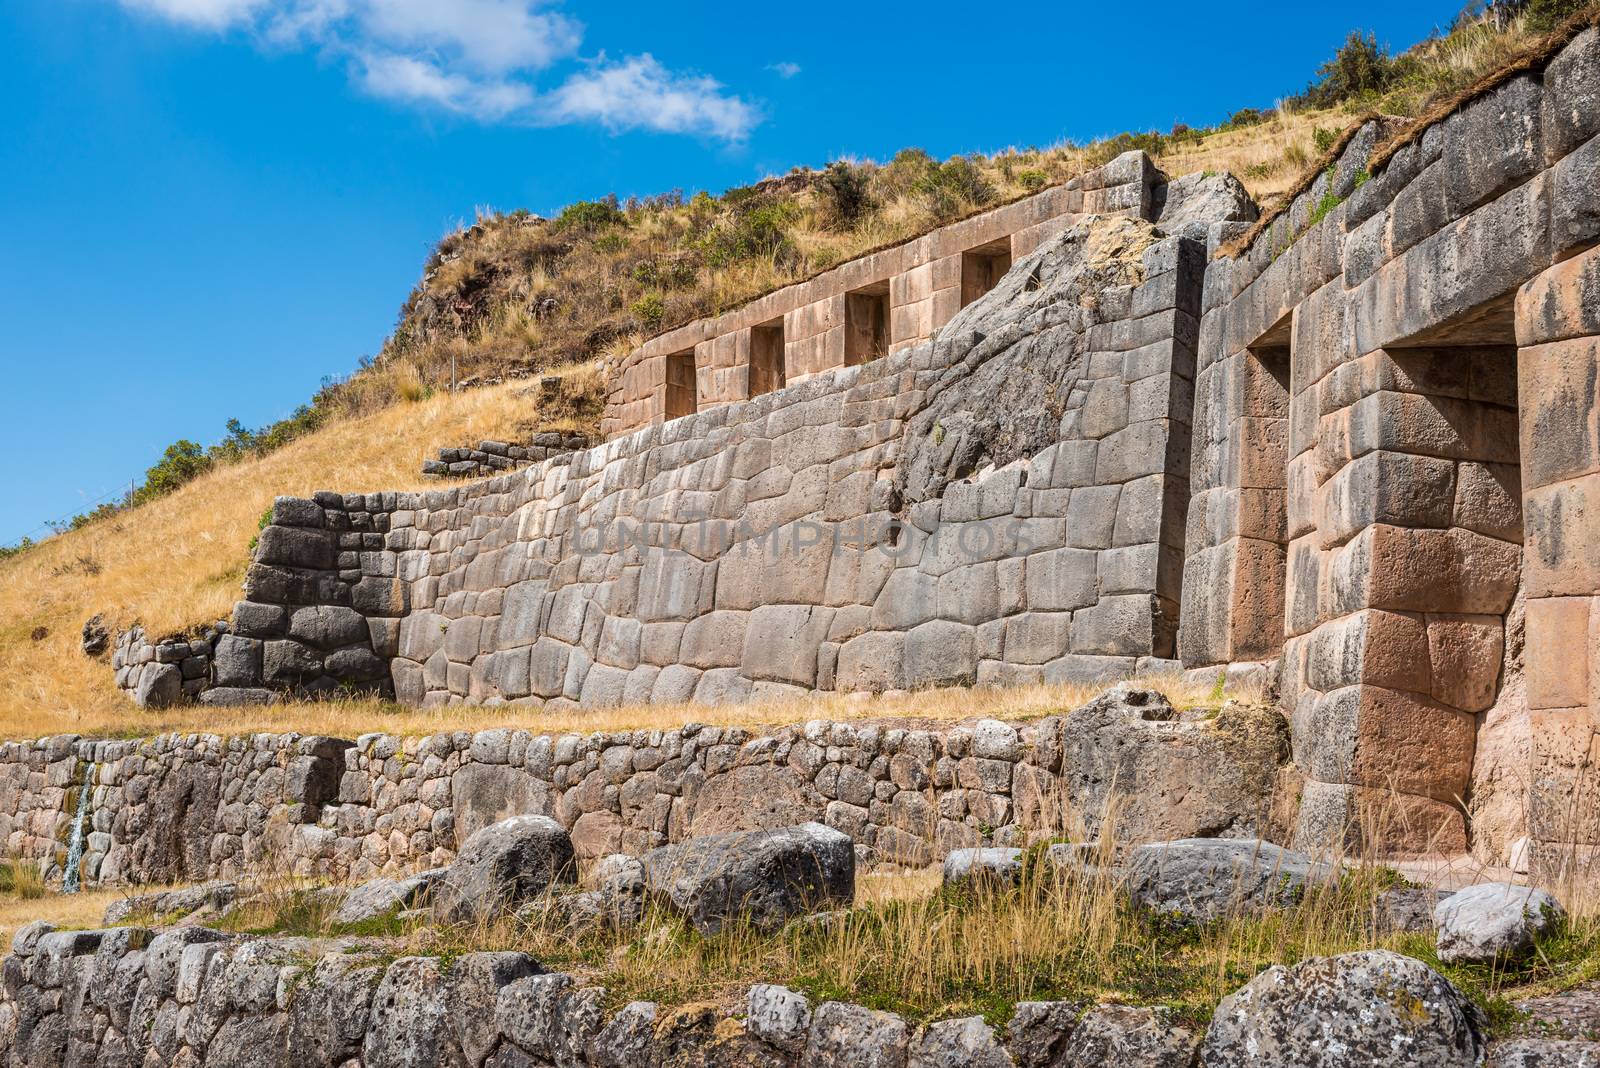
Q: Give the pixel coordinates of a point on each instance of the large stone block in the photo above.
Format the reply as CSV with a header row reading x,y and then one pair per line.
x,y
1563,538
295,547
940,653
782,642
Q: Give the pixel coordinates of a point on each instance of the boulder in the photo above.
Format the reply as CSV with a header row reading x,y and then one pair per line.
x,y
1369,1008
95,638
1179,776
380,897
502,866
764,877
1202,879
997,866
1493,921
1127,1037
168,905
851,1036
159,686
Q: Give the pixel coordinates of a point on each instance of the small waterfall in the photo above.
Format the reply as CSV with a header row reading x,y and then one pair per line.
x,y
72,881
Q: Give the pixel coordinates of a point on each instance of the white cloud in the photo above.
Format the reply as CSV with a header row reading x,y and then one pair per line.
x,y
416,81
785,69
639,93
481,58
208,14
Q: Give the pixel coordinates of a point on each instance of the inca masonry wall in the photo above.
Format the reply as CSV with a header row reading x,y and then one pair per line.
x,y
1364,448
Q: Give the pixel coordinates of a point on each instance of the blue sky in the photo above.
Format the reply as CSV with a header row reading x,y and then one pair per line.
x,y
209,205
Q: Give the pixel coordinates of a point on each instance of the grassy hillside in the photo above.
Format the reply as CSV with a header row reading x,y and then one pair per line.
x,y
513,295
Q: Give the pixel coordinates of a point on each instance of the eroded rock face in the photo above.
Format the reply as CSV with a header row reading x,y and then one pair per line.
x,y
1022,349
1493,920
502,866
765,877
1171,776
1371,1008
382,896
1199,879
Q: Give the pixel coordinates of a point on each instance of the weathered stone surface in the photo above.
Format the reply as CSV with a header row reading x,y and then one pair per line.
x,y
1492,921
849,1036
763,877
964,1043
1199,879
778,1016
1135,1037
502,866
1375,1007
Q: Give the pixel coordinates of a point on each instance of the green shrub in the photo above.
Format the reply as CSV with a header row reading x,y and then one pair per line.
x,y
1032,180
1360,69
951,187
591,215
758,229
1324,137
1546,15
649,309
846,193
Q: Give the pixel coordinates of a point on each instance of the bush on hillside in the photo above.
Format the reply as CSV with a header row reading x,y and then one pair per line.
x,y
591,215
1359,69
846,193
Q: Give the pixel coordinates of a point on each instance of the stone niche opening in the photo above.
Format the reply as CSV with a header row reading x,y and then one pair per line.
x,y
866,323
1262,474
767,371
682,394
1452,421
982,268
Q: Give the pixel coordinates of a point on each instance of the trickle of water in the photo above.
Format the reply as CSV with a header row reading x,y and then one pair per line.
x,y
71,883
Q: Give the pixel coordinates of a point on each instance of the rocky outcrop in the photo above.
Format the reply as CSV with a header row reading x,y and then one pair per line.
x,y
1375,1007
1164,774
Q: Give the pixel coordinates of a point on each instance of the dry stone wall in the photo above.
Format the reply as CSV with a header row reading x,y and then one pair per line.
x,y
179,808
193,996
489,458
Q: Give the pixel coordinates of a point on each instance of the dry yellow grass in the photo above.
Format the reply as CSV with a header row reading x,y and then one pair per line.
x,y
63,910
110,714
1268,158
179,561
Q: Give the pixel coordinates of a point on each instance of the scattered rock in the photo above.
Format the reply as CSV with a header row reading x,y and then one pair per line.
x,y
850,1036
1039,1030
963,1043
381,897
1203,879
1408,908
777,1016
1493,920
1369,1008
997,866
170,905
502,866
1545,1053
766,877
96,638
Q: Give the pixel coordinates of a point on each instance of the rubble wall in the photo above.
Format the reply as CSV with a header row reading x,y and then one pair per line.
x,y
193,996
184,808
